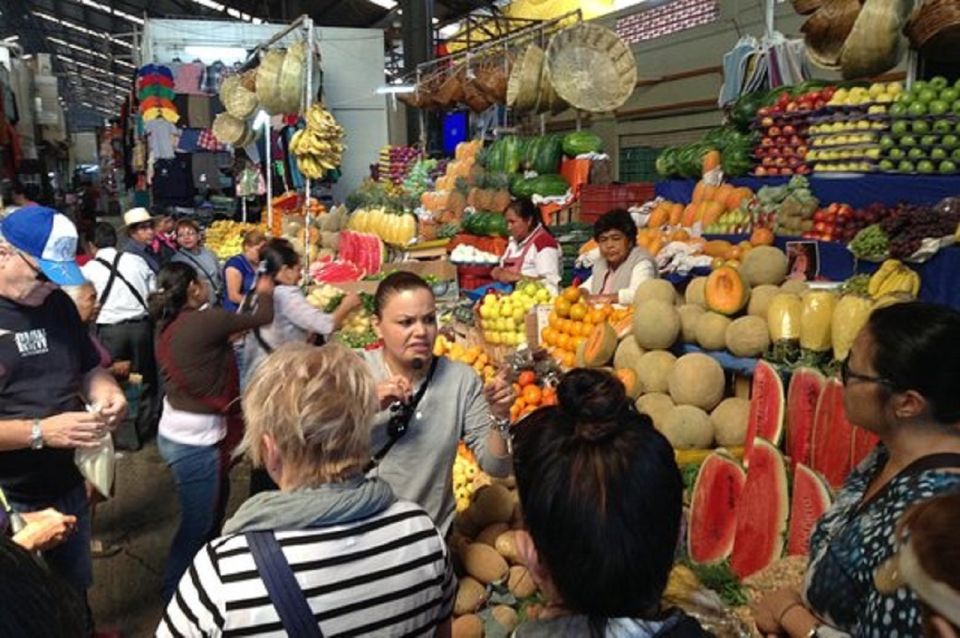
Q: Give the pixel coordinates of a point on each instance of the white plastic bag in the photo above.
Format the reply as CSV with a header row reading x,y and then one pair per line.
x,y
98,465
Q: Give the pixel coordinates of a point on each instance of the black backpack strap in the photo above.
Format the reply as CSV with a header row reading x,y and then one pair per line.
x,y
263,342
282,587
115,274
400,422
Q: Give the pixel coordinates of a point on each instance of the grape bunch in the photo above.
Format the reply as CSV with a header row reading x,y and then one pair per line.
x,y
911,224
870,243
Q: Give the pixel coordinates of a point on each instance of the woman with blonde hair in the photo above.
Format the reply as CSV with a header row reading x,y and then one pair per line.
x,y
365,562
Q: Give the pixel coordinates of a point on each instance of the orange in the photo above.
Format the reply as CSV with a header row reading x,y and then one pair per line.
x,y
514,413
527,377
519,404
606,309
579,340
562,306
569,359
553,320
563,342
517,389
549,396
548,336
578,311
571,294
532,394
586,328
566,326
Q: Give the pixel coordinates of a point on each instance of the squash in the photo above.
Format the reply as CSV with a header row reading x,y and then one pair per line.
x,y
656,324
737,197
697,379
660,216
716,248
470,595
600,346
467,626
764,265
698,192
816,319
710,212
748,337
676,214
725,291
712,331
849,317
689,215
483,563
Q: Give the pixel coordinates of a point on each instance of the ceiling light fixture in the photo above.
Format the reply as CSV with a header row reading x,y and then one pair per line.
x,y
84,65
110,10
90,52
77,27
386,4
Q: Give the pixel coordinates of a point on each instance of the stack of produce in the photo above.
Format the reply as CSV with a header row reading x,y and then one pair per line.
x,y
734,148
572,321
396,162
784,127
503,318
532,393
846,138
789,209
725,253
225,238
357,328
515,156
831,223
467,477
925,132
899,231
319,146
474,356
393,227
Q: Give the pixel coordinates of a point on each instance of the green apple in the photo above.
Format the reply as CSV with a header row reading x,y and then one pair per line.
x,y
927,95
950,141
906,167
938,107
917,109
916,153
925,166
942,126
886,142
950,95
920,127
929,140
947,166
897,153
955,108
899,128
955,155
908,140
938,83
887,165
898,110
938,153
918,86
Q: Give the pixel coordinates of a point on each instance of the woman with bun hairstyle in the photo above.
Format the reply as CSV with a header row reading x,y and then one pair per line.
x,y
439,401
196,358
294,318
532,253
902,383
601,498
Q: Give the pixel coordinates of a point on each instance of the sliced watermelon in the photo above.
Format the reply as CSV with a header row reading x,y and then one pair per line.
x,y
806,385
762,513
713,508
335,272
363,249
811,499
766,408
832,436
863,443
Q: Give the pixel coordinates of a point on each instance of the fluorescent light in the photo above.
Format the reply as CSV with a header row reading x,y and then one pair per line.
x,y
386,4
450,30
109,10
395,88
81,29
96,69
12,38
90,52
209,54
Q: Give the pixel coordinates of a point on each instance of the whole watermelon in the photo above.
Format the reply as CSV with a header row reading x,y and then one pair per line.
x,y
581,142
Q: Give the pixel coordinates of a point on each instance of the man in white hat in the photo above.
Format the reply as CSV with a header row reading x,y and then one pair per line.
x,y
54,397
124,281
139,224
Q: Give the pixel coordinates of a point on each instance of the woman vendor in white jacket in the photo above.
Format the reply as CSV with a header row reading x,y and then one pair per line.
x,y
622,265
532,253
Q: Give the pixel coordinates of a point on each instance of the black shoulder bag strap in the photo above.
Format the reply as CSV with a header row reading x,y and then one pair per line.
x,y
196,262
288,599
399,421
114,275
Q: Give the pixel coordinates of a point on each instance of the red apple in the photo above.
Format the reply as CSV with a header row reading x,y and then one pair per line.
x,y
786,171
766,142
789,130
760,171
763,111
766,122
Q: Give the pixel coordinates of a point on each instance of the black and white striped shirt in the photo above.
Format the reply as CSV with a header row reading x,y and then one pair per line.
x,y
387,575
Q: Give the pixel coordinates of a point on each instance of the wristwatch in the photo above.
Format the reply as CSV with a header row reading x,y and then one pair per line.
x,y
36,436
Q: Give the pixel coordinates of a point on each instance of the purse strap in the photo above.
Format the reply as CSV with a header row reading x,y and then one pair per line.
x,y
282,587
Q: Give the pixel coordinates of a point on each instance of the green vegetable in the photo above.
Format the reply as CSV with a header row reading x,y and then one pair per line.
x,y
856,285
581,142
870,243
721,579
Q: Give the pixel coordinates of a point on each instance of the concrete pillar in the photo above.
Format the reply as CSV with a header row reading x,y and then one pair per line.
x,y
604,125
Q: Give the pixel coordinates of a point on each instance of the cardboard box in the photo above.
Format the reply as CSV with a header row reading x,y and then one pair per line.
x,y
444,271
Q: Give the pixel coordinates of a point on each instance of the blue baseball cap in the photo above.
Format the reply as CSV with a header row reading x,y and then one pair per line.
x,y
47,236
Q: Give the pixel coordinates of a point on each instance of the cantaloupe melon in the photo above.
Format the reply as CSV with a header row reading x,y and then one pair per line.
x,y
656,324
654,289
748,336
630,380
470,595
654,369
689,315
628,354
520,582
656,405
696,379
694,292
687,427
729,421
760,298
506,616
468,626
764,265
484,563
712,331
795,286
726,291
600,346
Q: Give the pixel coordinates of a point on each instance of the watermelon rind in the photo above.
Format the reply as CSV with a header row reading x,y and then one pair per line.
x,y
832,436
767,403
762,512
803,393
810,500
713,508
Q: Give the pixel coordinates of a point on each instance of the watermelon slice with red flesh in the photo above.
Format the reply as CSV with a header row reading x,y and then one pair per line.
x,y
811,499
832,436
766,408
806,386
863,443
713,508
363,249
762,512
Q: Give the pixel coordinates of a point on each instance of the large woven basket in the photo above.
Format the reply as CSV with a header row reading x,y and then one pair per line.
x,y
237,100
591,68
229,129
934,29
268,81
474,97
806,7
292,77
549,101
451,91
523,86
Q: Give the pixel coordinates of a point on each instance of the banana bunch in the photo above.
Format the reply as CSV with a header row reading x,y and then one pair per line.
x,y
893,277
319,147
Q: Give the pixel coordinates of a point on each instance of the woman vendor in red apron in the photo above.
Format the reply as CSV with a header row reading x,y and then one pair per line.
x,y
532,253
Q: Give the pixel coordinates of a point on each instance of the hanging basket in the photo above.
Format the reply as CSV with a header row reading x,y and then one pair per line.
x,y
268,81
474,97
934,29
451,91
292,77
229,129
492,77
523,86
237,99
806,7
591,68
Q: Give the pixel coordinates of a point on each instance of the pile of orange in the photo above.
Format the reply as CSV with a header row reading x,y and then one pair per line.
x,y
571,322
530,395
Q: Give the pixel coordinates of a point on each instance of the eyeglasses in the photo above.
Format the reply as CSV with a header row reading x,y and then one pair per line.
x,y
846,374
39,273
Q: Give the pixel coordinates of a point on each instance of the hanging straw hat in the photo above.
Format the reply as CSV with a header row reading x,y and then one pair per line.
x,y
825,32
229,129
591,68
292,77
237,100
268,81
451,91
548,101
248,79
523,87
934,29
492,76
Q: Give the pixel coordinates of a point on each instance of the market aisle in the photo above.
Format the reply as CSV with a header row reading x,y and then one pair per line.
x,y
141,519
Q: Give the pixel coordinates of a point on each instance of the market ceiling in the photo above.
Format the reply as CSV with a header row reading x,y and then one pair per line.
x,y
91,41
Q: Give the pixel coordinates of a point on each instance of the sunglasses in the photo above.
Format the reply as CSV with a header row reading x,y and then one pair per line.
x,y
846,374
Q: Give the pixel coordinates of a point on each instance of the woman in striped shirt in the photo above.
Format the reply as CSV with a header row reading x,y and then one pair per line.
x,y
365,562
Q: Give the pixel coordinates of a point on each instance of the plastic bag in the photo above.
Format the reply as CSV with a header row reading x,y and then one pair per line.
x,y
98,464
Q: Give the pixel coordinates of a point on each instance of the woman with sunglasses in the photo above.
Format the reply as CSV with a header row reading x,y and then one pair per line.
x,y
902,383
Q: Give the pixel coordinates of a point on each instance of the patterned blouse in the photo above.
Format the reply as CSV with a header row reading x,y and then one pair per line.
x,y
855,537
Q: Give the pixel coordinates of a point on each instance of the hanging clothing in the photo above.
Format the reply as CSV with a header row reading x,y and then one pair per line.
x,y
212,76
198,111
537,257
187,78
162,138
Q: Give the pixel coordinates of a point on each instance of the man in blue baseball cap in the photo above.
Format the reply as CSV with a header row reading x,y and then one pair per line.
x,y
54,397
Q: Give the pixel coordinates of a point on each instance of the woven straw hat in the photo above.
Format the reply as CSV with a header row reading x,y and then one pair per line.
x,y
591,68
268,81
548,101
292,77
236,99
523,87
229,129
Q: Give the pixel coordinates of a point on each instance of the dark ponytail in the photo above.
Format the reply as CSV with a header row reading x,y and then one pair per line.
x,y
173,283
526,210
277,254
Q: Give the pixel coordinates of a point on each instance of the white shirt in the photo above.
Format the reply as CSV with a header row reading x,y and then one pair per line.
x,y
121,305
162,137
541,263
190,428
641,272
